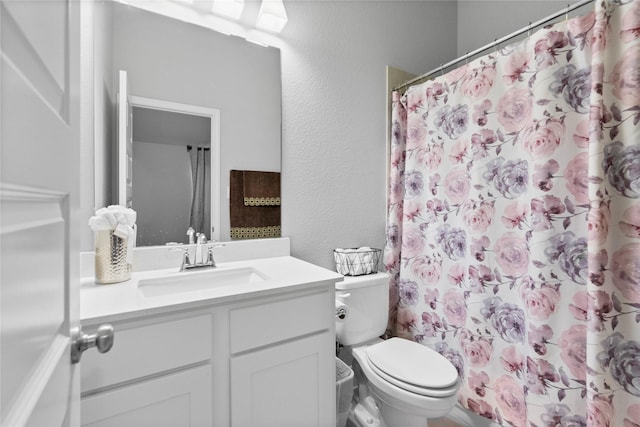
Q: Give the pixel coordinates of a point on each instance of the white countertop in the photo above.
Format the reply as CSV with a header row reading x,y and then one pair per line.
x,y
118,301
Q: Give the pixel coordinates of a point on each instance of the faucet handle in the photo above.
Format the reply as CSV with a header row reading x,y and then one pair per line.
x,y
201,238
186,260
210,259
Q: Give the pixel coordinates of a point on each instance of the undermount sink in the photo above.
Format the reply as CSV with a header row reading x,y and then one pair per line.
x,y
199,280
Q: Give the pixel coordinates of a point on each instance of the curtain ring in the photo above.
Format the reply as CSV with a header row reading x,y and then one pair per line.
x,y
495,46
566,15
441,70
529,31
466,58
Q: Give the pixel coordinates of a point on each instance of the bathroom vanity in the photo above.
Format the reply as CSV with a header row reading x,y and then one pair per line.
x,y
258,351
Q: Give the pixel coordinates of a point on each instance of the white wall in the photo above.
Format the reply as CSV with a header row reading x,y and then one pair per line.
x,y
482,22
334,55
97,153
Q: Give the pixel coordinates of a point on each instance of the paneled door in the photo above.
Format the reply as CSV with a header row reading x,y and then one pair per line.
x,y
39,227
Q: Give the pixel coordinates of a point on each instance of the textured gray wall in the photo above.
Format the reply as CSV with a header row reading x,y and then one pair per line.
x,y
334,55
481,22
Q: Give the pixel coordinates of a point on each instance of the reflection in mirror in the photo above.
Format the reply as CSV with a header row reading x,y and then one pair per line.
x,y
171,172
170,60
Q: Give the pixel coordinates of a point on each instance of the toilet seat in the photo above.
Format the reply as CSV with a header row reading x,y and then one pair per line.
x,y
388,395
413,367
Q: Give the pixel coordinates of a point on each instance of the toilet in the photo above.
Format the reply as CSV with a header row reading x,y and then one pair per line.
x,y
398,383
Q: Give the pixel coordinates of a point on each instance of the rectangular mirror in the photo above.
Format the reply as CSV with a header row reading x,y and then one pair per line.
x,y
182,63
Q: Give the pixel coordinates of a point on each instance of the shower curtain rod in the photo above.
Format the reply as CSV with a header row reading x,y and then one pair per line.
x,y
496,42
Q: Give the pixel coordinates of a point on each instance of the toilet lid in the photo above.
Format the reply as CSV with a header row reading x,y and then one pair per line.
x,y
413,364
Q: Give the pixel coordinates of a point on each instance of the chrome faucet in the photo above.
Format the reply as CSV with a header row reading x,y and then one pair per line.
x,y
199,259
201,239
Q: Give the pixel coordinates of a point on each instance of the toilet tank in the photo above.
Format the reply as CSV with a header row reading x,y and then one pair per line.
x,y
366,299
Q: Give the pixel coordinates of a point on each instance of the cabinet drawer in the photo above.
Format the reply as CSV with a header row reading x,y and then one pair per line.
x,y
270,322
178,399
141,350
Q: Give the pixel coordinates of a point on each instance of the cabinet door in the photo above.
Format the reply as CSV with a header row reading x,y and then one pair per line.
x,y
182,399
290,384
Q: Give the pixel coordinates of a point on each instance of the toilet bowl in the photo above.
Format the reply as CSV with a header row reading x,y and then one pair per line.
x,y
399,383
408,381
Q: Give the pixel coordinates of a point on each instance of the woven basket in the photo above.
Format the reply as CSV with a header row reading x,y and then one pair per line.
x,y
356,262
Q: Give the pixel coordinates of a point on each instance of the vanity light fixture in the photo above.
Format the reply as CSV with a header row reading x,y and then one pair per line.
x,y
272,16
229,8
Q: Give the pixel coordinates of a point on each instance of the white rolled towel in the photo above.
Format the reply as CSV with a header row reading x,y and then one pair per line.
x,y
121,220
116,214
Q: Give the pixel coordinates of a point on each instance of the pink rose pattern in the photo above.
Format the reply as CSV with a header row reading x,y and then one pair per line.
x,y
513,235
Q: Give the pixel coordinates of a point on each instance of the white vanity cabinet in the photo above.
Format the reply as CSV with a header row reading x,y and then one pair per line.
x,y
158,373
252,361
283,363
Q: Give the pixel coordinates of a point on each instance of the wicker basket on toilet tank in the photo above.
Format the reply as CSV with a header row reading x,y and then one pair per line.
x,y
356,261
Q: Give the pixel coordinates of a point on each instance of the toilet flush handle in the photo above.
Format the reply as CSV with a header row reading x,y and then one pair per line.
x,y
342,312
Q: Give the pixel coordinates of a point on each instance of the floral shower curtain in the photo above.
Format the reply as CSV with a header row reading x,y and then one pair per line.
x,y
513,235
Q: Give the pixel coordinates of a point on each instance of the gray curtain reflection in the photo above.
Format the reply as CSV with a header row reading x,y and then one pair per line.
x,y
200,212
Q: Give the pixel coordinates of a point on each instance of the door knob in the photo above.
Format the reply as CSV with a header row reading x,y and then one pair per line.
x,y
101,340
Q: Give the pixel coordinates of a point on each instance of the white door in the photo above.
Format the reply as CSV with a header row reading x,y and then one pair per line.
x,y
125,142
39,226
